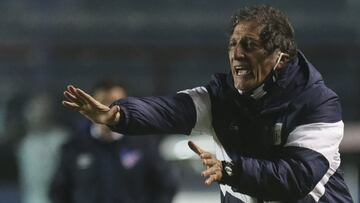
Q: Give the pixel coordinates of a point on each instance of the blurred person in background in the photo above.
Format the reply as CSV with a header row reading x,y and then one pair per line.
x,y
98,165
13,131
38,151
276,125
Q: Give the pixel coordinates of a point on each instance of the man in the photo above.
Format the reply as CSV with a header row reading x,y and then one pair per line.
x,y
38,151
98,165
277,127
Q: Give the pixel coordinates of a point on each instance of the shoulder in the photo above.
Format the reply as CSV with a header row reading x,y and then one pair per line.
x,y
220,85
218,81
320,104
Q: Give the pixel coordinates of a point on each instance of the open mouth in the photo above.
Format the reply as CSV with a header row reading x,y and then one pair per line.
x,y
242,70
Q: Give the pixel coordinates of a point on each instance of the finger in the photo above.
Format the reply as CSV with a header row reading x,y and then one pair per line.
x,y
87,98
209,162
210,171
206,155
114,109
209,180
71,89
79,94
195,148
212,179
71,105
113,112
70,97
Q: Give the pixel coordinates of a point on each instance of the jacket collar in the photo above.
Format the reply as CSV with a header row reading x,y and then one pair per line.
x,y
287,83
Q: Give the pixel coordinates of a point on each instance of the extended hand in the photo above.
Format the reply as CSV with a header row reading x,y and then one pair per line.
x,y
213,171
95,111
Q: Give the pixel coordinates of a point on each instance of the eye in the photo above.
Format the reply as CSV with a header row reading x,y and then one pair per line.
x,y
249,44
232,44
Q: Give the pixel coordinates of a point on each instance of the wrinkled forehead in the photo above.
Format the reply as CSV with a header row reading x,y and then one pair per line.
x,y
247,28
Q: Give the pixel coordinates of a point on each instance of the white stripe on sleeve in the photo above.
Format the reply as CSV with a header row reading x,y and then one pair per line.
x,y
202,102
323,138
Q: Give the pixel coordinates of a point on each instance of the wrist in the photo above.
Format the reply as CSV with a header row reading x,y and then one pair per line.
x,y
116,119
228,172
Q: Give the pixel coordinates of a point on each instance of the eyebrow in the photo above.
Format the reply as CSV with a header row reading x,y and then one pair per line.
x,y
252,38
247,38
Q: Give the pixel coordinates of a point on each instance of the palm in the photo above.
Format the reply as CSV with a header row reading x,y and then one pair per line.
x,y
95,112
88,106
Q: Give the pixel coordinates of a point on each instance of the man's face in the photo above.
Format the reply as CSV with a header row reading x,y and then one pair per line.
x,y
249,62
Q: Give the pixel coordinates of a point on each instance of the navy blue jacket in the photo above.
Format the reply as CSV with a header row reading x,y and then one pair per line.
x,y
284,144
129,170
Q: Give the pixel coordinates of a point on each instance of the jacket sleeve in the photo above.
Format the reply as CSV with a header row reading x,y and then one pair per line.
x,y
156,115
303,165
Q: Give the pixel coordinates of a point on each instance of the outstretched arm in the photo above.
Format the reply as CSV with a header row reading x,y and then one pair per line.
x,y
138,115
92,109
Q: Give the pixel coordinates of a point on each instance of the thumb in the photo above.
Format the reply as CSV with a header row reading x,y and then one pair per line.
x,y
114,113
195,148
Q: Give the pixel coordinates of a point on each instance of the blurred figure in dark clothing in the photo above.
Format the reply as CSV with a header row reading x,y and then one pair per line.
x,y
98,165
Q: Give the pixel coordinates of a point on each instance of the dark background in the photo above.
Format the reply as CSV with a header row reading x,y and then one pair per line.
x,y
154,47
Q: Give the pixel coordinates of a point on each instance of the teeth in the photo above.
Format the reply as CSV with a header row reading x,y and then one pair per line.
x,y
240,72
